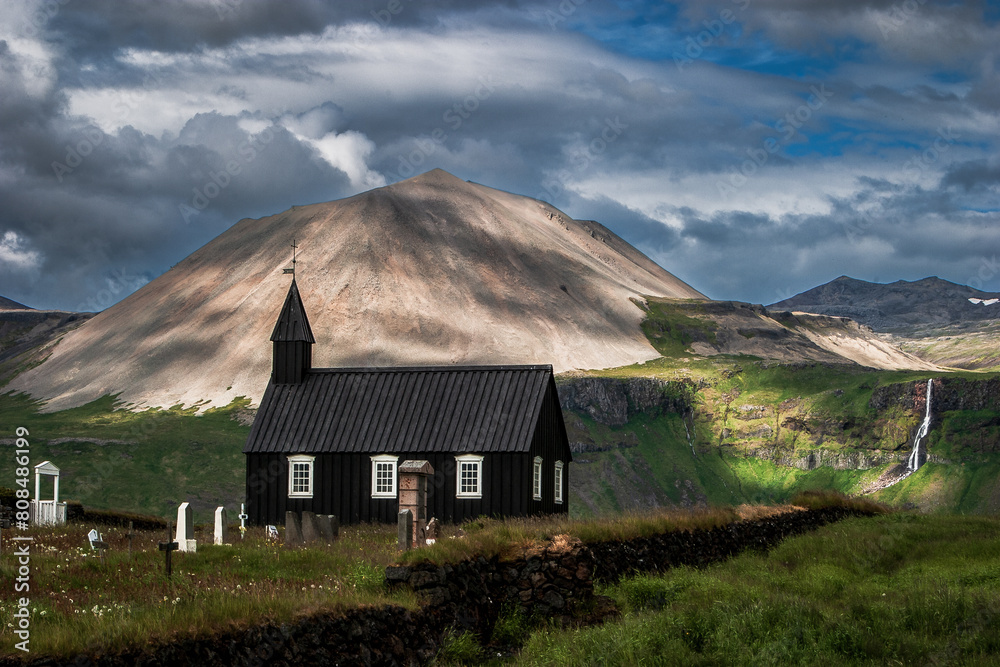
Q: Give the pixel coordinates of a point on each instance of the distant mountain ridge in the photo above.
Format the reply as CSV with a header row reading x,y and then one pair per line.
x,y
896,307
9,304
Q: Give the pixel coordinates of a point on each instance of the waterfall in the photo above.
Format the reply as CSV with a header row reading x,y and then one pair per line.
x,y
688,431
914,461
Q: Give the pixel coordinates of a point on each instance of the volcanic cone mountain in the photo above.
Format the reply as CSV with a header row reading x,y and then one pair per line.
x,y
432,270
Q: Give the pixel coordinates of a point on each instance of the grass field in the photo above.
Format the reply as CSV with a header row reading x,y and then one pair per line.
x,y
897,589
79,603
148,462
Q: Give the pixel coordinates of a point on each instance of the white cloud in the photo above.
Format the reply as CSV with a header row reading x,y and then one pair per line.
x,y
349,152
15,255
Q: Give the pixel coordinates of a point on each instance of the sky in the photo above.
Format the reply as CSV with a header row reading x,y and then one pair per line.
x,y
754,148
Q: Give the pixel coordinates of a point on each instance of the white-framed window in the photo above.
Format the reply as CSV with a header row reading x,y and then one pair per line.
x,y
536,478
558,482
384,476
300,476
469,476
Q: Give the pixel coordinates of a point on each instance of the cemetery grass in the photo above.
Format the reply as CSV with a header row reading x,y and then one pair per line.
x,y
79,604
901,588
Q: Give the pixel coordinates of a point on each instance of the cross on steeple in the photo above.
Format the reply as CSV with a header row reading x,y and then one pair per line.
x,y
292,270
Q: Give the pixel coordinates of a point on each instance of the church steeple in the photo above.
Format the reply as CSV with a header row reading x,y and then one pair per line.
x,y
292,340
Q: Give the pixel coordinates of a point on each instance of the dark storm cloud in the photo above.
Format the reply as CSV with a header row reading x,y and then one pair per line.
x,y
872,236
94,204
974,175
95,29
577,103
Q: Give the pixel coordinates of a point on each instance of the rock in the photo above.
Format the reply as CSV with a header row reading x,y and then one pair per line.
x,y
612,401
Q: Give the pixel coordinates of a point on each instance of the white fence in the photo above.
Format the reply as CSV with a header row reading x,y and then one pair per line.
x,y
44,512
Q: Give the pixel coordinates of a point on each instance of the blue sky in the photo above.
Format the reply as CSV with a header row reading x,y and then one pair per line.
x,y
755,148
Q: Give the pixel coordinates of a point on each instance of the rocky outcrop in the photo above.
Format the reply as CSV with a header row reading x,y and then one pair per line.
x,y
614,401
950,393
849,459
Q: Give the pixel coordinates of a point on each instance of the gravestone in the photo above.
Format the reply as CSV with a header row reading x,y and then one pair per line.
x,y
272,533
185,529
329,527
431,532
221,526
404,530
310,528
97,543
293,530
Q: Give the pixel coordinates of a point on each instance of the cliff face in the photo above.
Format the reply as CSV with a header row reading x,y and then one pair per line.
x,y
643,442
614,401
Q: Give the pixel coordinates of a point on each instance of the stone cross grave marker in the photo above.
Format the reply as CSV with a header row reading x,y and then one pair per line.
x,y
168,547
221,526
185,528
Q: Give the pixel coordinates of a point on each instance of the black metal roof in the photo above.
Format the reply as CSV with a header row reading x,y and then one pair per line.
x,y
456,409
292,324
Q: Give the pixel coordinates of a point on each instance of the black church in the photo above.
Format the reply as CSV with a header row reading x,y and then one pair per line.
x,y
330,440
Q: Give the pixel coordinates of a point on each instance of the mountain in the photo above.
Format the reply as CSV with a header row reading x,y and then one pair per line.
x,y
432,270
899,306
23,330
8,304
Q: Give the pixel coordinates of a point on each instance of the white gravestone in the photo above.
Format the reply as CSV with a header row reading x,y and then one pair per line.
x,y
221,526
93,536
185,529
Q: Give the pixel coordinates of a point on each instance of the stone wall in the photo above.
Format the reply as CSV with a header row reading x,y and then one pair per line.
x,y
556,582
